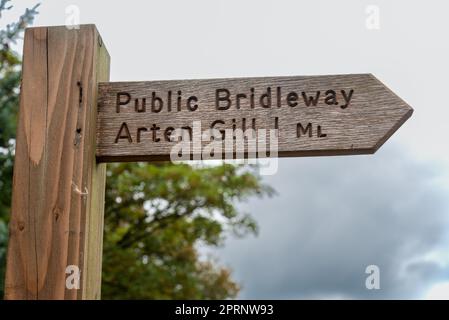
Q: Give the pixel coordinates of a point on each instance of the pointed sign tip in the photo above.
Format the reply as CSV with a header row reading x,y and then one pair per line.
x,y
390,132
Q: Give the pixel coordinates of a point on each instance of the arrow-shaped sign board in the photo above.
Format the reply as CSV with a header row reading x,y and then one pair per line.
x,y
213,118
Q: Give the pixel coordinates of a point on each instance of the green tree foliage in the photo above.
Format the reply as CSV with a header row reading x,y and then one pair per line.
x,y
157,216
9,102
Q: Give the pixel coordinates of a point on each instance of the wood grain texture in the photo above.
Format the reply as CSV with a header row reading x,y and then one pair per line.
x,y
58,191
349,123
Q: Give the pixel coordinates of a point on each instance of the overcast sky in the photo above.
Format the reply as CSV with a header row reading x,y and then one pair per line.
x,y
332,217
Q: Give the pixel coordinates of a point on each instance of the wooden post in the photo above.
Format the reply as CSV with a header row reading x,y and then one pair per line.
x,y
58,191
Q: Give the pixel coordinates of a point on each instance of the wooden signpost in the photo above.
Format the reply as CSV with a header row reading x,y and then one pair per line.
x,y
71,121
314,115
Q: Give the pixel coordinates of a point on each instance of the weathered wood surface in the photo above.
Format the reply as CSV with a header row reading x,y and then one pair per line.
x,y
354,114
58,191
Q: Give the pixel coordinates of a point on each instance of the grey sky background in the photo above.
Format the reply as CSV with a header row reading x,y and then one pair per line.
x,y
333,216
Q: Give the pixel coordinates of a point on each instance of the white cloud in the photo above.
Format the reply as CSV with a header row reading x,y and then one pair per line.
x,y
335,216
439,291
